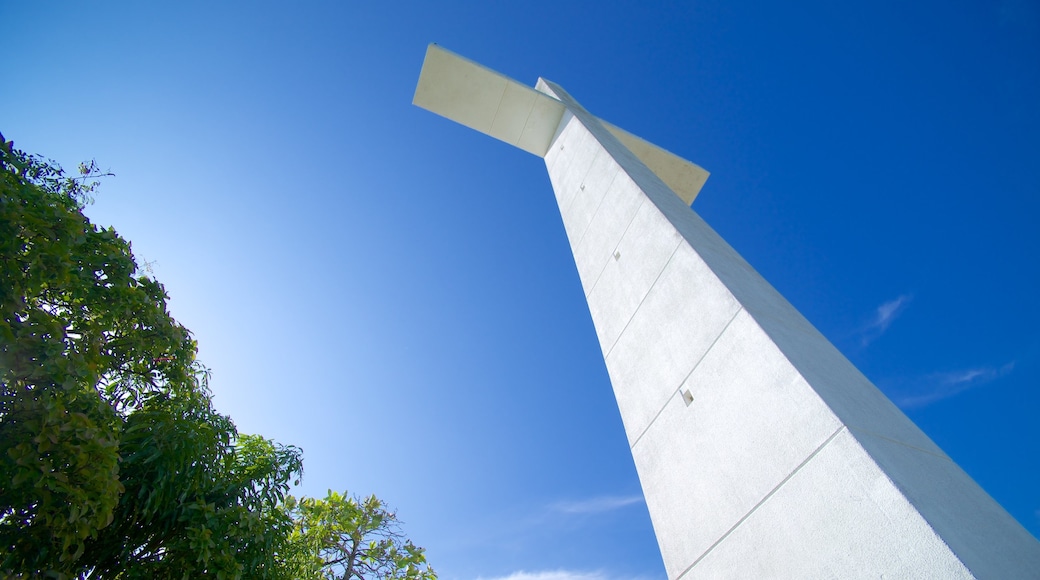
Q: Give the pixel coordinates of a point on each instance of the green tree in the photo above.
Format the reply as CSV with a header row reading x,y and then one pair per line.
x,y
344,537
113,462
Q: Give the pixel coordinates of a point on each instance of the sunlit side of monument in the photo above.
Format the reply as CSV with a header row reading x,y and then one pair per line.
x,y
762,451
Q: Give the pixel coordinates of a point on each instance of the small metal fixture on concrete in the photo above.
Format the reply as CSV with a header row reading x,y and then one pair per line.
x,y
791,464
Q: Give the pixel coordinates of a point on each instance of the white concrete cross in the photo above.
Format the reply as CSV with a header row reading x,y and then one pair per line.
x,y
762,451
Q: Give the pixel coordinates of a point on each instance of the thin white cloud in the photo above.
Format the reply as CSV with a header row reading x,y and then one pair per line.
x,y
564,575
552,575
939,386
883,317
596,505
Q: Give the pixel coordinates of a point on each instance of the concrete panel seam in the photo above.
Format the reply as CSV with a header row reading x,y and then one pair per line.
x,y
527,121
629,161
761,502
559,128
585,178
606,355
614,250
686,378
598,205
854,430
498,107
574,141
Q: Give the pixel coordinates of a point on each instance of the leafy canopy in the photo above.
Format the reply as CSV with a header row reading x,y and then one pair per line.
x,y
113,461
345,537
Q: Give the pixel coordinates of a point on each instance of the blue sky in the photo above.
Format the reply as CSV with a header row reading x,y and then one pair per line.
x,y
394,293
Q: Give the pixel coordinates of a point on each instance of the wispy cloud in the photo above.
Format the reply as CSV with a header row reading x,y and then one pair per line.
x,y
549,523
884,315
596,505
552,575
564,575
938,386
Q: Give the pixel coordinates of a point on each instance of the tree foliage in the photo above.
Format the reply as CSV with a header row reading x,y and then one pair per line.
x,y
113,462
344,537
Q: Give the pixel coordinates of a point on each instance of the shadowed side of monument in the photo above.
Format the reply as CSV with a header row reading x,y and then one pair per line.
x,y
762,451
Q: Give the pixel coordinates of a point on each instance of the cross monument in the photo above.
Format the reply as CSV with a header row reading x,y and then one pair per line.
x,y
761,450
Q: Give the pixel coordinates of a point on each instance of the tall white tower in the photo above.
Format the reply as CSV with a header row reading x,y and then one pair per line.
x,y
762,451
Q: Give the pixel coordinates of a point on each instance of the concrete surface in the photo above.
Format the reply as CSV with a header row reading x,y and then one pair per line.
x,y
762,451
473,95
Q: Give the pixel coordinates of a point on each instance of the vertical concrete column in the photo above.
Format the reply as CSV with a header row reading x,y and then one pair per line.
x,y
761,450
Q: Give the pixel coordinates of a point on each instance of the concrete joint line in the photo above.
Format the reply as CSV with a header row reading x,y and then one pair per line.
x,y
599,205
585,177
711,346
498,107
762,501
682,382
614,251
641,300
527,121
898,442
